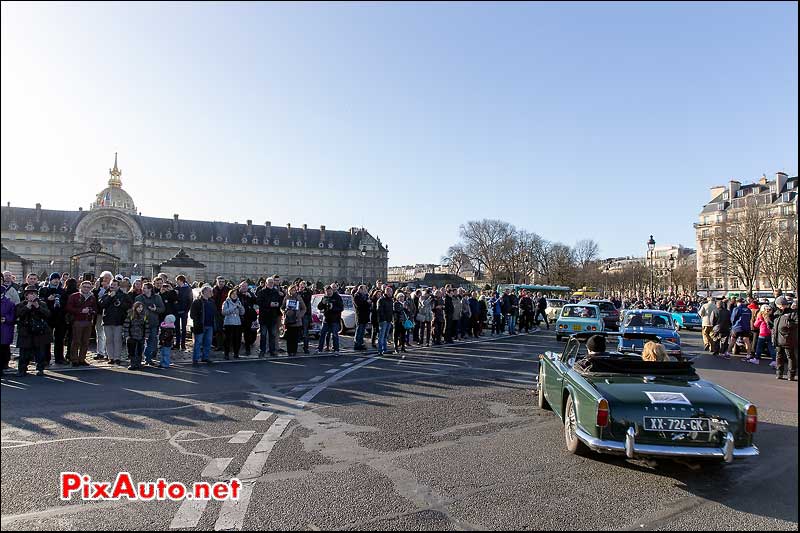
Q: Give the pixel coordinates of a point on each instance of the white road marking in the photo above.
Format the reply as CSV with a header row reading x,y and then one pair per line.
x,y
216,467
298,388
233,512
360,359
188,514
222,371
346,365
316,378
241,437
263,415
332,371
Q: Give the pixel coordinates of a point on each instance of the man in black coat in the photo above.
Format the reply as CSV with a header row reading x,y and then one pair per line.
x,y
363,306
331,306
53,295
269,299
305,294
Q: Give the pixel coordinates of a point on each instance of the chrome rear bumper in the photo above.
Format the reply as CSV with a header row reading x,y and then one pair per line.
x,y
630,449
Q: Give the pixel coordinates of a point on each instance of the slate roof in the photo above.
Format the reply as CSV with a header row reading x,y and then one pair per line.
x,y
169,229
755,188
8,255
182,260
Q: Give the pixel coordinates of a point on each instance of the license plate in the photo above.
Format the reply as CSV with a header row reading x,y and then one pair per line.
x,y
576,327
684,425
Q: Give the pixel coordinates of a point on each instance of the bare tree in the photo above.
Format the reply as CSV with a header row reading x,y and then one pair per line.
x,y
743,243
788,257
586,251
562,264
457,260
684,278
485,241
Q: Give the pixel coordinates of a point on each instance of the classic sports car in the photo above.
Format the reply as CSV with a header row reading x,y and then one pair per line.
x,y
641,325
619,404
687,319
578,318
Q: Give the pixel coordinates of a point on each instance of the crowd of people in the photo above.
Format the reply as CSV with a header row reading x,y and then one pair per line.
x,y
141,322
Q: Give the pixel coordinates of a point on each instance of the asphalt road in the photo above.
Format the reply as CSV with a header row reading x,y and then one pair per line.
x,y
446,438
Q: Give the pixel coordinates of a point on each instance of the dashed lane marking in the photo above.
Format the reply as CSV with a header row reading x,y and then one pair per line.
x,y
263,415
241,437
216,467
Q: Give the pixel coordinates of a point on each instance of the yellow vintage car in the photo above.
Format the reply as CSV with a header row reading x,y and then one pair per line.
x,y
586,292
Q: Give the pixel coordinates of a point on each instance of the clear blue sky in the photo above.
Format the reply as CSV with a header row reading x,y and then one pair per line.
x,y
603,121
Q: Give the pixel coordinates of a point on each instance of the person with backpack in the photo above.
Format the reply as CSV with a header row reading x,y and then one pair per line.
x,y
135,330
33,331
82,307
784,337
741,318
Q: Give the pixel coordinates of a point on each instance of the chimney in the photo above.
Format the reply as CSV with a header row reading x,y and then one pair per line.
x,y
289,231
80,209
38,212
733,187
305,234
716,191
322,234
175,223
249,227
8,204
780,181
268,225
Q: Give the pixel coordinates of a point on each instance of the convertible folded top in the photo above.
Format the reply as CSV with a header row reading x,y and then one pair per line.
x,y
631,365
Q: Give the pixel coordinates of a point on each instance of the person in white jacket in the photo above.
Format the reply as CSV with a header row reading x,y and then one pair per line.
x,y
706,313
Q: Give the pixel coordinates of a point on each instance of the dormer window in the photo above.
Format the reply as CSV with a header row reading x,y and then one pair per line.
x,y
29,226
13,226
152,234
276,242
64,228
192,237
169,235
255,240
45,228
180,236
330,245
219,238
244,240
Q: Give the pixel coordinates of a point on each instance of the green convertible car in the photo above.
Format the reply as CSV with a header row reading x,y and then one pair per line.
x,y
617,403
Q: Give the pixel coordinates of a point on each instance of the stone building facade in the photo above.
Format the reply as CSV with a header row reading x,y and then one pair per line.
x,y
778,198
113,236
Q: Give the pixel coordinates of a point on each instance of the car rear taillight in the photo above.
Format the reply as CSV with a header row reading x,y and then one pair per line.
x,y
750,418
602,413
671,339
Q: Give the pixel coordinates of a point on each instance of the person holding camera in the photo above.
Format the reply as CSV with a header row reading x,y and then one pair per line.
x,y
33,331
82,307
53,295
114,307
331,306
153,308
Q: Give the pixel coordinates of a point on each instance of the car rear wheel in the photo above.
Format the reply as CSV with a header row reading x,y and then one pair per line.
x,y
574,444
542,400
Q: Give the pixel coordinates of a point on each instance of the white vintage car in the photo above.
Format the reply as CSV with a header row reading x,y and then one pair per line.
x,y
553,310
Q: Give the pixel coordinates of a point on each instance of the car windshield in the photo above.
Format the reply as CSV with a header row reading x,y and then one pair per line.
x,y
604,306
652,320
579,311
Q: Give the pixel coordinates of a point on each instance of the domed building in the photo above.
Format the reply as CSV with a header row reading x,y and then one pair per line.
x,y
112,235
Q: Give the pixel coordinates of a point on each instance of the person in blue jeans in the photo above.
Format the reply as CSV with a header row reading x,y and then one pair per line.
x,y
153,307
203,314
385,307
184,291
165,339
331,306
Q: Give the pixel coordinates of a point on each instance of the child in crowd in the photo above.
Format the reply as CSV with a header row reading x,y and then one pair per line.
x,y
166,339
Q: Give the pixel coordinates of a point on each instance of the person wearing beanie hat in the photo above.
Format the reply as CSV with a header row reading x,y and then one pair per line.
x,y
166,338
56,299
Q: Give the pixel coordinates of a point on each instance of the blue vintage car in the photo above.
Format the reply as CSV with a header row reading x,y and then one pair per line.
x,y
639,325
687,319
578,318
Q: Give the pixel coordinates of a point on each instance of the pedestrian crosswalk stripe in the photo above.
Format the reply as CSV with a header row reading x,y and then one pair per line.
x,y
241,437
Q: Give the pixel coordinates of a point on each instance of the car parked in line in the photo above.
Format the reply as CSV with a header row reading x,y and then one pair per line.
x,y
617,403
687,319
578,318
608,311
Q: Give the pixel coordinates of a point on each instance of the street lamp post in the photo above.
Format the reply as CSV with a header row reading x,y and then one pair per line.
x,y
651,245
670,268
363,263
525,260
